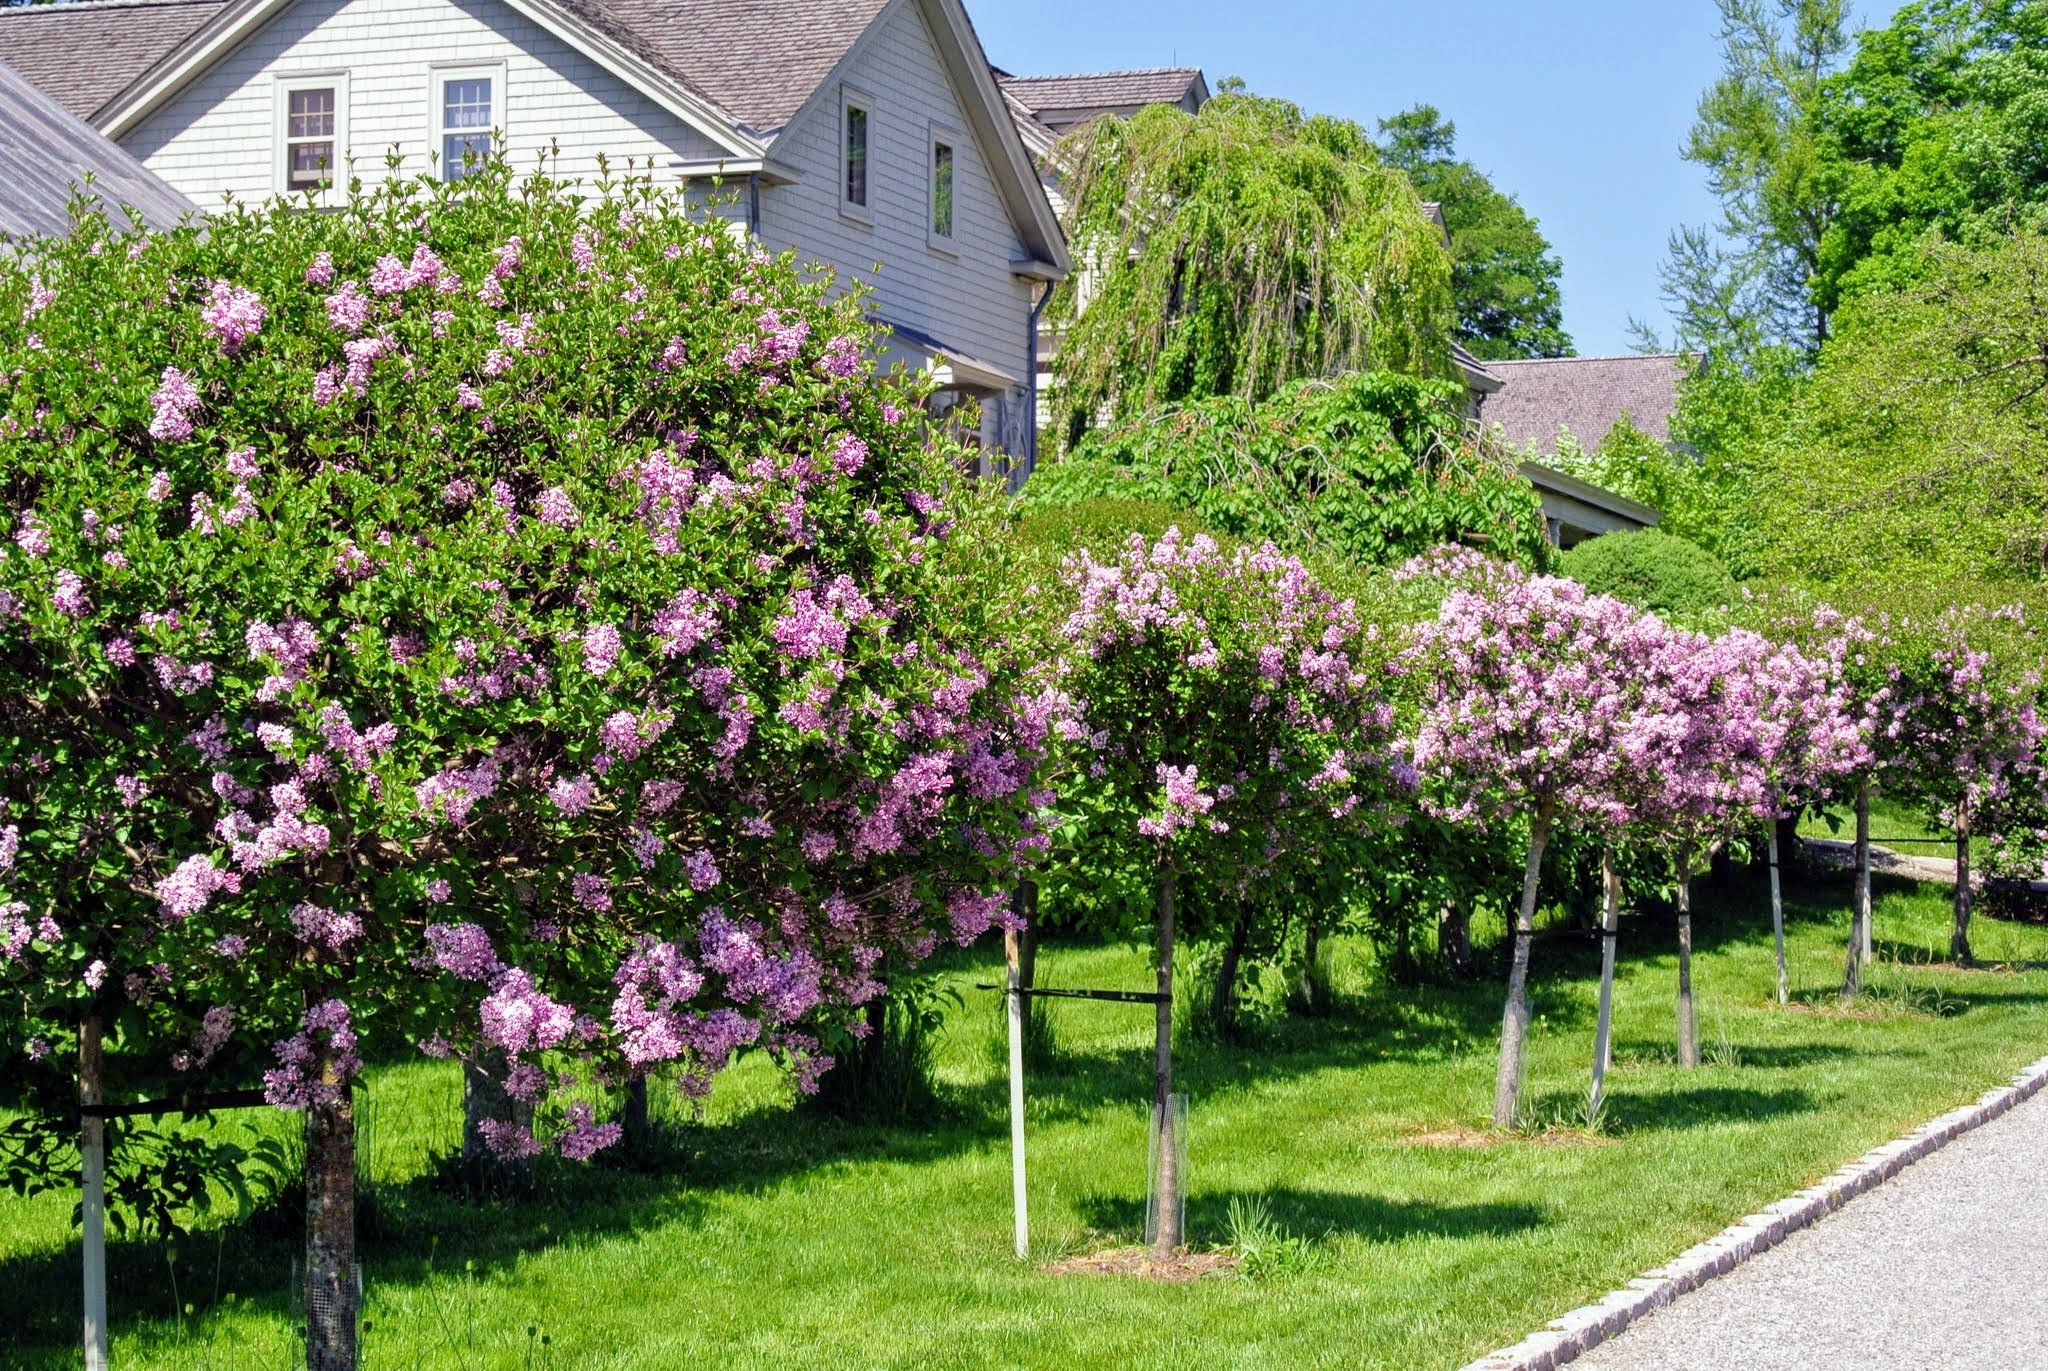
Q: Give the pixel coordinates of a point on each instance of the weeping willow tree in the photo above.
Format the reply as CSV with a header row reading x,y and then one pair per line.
x,y
1232,251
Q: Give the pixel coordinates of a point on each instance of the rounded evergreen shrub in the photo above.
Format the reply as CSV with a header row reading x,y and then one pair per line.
x,y
1656,571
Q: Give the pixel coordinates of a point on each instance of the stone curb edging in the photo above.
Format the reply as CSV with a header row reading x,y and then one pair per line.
x,y
1586,1327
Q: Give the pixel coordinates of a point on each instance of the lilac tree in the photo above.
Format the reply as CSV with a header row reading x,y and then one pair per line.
x,y
1529,693
492,619
1229,723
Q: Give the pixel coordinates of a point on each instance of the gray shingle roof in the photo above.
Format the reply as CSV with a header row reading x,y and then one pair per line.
x,y
1587,395
1101,90
756,60
84,54
46,151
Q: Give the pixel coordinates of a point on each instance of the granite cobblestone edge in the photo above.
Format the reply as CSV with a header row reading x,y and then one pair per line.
x,y
1580,1331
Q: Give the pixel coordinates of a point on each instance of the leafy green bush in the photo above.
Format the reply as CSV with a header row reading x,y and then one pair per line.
x,y
1657,571
1369,469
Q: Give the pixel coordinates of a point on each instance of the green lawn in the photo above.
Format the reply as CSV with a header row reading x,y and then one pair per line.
x,y
1902,827
775,1238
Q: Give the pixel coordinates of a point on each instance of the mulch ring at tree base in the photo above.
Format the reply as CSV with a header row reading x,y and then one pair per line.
x,y
1178,1269
1458,1135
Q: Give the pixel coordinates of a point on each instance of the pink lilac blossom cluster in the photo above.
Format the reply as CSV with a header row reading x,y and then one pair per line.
x,y
329,660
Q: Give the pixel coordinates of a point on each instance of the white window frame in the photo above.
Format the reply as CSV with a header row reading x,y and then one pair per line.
x,y
438,75
938,135
337,171
853,98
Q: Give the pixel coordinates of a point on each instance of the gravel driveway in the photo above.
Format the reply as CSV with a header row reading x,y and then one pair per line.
x,y
1945,1266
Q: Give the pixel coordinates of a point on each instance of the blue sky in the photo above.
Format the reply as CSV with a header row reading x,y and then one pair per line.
x,y
1576,108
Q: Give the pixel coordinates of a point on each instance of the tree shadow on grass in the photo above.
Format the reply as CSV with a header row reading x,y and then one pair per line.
x,y
1703,1106
1317,1214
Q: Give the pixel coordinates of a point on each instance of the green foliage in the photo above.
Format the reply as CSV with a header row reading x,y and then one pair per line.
x,y
1743,283
1938,124
1660,572
1263,1246
887,1074
1504,273
1232,251
1367,470
1915,453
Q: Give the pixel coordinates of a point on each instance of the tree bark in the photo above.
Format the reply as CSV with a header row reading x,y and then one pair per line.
x,y
1225,1005
1169,1235
1454,936
636,1126
1959,941
1514,1022
92,1151
1311,946
1603,1031
484,1100
331,1295
1777,916
1859,909
1688,1030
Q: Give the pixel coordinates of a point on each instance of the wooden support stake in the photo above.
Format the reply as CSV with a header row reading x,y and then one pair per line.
x,y
92,1150
1777,916
1014,965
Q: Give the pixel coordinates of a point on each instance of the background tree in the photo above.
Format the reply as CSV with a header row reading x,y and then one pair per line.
x,y
1232,251
1916,452
1504,273
1366,470
1745,282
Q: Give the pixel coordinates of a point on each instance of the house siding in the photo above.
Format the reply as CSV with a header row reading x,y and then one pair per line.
x,y
217,135
965,296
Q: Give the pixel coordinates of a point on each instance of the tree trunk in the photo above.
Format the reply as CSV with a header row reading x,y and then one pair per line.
x,y
331,1294
636,1126
1866,940
1311,947
92,1151
1859,908
1013,958
1454,936
1514,1022
485,1100
1603,1031
1169,1235
1027,937
1959,941
1225,1005
1688,1030
1785,833
1777,916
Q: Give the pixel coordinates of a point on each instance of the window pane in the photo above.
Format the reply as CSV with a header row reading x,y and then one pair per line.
x,y
942,189
311,164
856,156
310,113
453,148
466,104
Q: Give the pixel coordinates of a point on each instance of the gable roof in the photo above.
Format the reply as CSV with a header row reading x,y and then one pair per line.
x,y
738,71
1058,101
85,53
46,152
1587,395
756,60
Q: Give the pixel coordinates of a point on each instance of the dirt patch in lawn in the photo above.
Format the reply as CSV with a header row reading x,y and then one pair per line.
x,y
1458,1135
1139,1261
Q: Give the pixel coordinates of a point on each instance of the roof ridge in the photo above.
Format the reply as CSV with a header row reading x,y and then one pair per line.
x,y
1598,357
69,6
1122,71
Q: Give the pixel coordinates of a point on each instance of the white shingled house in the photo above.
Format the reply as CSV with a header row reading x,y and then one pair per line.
x,y
868,135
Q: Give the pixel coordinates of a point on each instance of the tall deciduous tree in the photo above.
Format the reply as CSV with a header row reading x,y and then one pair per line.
x,y
1504,273
1745,282
1232,251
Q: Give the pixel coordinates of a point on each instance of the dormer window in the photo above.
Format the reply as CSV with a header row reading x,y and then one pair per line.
x,y
856,115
